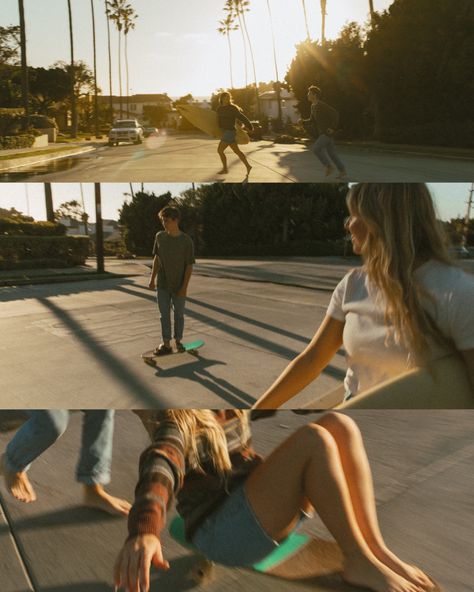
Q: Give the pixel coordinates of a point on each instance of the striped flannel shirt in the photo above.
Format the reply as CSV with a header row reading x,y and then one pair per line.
x,y
164,474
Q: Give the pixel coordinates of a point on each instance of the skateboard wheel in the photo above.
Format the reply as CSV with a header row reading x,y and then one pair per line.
x,y
202,572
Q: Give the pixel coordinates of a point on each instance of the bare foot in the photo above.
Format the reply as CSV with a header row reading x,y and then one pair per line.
x,y
372,574
95,496
409,572
223,171
17,484
329,170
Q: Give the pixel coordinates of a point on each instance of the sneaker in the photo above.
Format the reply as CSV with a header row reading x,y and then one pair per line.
x,y
162,350
180,347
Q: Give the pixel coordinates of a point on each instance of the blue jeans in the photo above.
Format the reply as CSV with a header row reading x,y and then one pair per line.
x,y
165,301
325,150
46,426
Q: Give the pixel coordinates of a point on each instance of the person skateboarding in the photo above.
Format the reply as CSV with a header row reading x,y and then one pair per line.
x,y
41,431
324,121
408,306
173,259
228,114
237,506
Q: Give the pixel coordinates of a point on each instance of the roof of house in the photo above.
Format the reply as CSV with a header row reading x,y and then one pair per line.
x,y
270,95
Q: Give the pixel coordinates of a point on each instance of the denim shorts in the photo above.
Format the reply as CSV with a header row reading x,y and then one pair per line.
x,y
232,535
229,136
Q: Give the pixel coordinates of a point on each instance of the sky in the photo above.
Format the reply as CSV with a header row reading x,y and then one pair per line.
x,y
175,47
28,198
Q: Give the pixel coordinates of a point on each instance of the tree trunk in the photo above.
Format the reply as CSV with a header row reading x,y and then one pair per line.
x,y
241,27
126,76
111,103
323,22
48,199
24,65
277,89
230,60
120,71
371,9
99,233
73,76
257,98
96,103
308,35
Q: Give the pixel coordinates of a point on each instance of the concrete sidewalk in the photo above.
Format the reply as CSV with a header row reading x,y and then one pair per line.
x,y
29,157
423,471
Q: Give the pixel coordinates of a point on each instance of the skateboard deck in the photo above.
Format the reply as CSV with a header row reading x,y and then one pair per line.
x,y
298,557
151,359
206,121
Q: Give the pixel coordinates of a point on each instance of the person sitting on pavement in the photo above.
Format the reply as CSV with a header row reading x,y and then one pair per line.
x,y
41,431
408,306
173,259
228,114
237,506
323,122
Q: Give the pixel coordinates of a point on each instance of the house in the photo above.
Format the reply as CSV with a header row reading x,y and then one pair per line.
x,y
77,227
269,106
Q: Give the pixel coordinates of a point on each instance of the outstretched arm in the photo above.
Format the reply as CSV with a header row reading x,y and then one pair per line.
x,y
305,367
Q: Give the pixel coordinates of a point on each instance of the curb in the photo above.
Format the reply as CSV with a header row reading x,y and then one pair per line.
x,y
19,162
59,279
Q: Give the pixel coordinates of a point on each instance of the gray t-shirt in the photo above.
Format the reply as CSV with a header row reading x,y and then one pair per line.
x,y
175,254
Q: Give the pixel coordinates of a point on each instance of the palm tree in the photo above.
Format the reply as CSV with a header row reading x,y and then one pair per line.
x,y
232,13
241,7
323,21
114,12
225,27
24,65
308,34
111,101
73,76
277,86
96,107
372,12
129,16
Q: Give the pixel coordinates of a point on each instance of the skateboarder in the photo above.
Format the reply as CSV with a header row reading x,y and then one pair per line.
x,y
408,306
173,259
236,506
228,113
40,431
324,120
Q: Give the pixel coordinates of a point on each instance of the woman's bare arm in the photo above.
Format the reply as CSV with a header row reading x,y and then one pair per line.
x,y
305,367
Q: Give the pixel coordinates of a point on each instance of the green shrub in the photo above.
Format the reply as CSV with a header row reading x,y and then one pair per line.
x,y
20,141
13,227
450,134
56,251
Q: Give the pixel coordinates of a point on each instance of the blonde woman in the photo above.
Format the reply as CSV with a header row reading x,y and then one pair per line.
x,y
228,113
237,506
408,305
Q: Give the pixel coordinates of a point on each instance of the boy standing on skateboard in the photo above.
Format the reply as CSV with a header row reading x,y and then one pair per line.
x,y
173,259
324,120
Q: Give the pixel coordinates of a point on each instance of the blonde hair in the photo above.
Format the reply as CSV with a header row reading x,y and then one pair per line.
x,y
201,426
402,233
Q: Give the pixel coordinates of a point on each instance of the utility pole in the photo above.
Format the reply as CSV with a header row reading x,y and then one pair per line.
x,y
48,196
85,217
24,66
467,219
99,233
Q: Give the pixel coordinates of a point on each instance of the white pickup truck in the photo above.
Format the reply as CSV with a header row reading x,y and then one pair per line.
x,y
125,130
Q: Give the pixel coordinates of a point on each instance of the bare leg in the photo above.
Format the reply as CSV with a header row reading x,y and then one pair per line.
x,y
95,496
18,483
243,158
355,465
221,151
308,466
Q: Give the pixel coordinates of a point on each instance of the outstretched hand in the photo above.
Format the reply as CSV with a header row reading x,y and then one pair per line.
x,y
132,568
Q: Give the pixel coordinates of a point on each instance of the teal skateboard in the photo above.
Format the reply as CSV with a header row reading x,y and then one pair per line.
x,y
150,358
298,557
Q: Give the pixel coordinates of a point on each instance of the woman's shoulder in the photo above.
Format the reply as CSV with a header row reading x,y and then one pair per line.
x,y
444,276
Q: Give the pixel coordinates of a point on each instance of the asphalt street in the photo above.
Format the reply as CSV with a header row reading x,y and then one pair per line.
x,y
179,158
79,345
423,474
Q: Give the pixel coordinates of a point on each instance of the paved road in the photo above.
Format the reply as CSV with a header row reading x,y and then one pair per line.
x,y
182,158
423,474
79,344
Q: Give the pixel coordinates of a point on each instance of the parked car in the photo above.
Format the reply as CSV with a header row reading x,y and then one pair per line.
x,y
459,252
126,130
257,132
150,131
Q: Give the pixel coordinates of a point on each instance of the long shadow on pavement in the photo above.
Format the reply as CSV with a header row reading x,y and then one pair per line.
x,y
110,363
262,343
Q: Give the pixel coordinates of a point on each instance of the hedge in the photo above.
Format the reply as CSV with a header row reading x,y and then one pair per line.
x,y
21,141
306,248
452,134
13,227
19,252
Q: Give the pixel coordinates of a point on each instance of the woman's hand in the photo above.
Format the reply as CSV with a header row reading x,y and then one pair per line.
x,y
132,568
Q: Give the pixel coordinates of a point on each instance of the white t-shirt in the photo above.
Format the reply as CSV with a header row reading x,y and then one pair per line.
x,y
371,359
